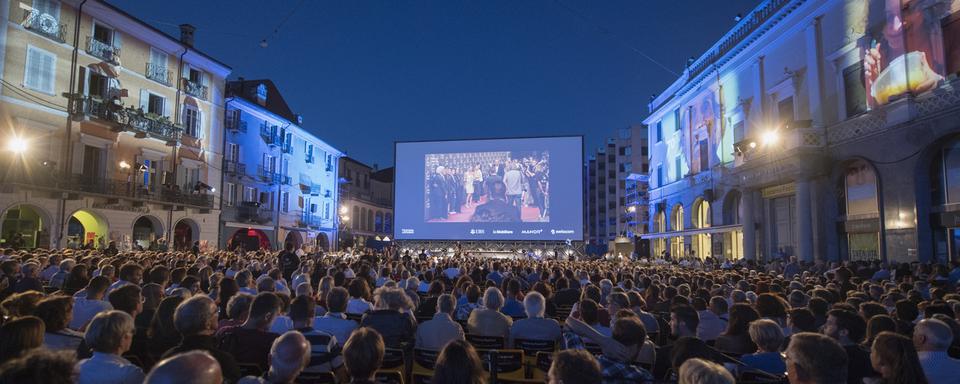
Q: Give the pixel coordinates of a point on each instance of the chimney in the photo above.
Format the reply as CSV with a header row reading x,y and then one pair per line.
x,y
186,34
299,119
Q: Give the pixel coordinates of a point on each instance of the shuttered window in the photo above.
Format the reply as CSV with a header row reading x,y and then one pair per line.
x,y
40,70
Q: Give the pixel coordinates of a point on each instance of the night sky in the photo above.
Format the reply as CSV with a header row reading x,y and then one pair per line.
x,y
367,73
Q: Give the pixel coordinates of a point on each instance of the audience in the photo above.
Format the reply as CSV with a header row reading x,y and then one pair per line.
x,y
700,371
196,319
56,313
488,320
363,355
535,326
335,321
932,338
848,328
324,352
895,358
40,365
392,318
458,363
289,355
193,367
573,366
109,334
815,359
768,337
19,336
435,333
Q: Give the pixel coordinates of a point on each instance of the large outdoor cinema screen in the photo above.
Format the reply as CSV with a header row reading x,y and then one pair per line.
x,y
497,189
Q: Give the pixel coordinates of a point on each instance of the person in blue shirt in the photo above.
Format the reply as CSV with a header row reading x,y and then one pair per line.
x,y
768,337
513,307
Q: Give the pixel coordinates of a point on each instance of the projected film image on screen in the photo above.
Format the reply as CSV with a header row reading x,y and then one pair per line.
x,y
490,189
487,187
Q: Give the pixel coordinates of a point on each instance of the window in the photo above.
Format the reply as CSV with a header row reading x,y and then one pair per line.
x,y
155,104
150,175
46,9
191,121
40,70
854,90
628,150
676,119
676,168
97,85
103,34
230,197
738,133
660,182
157,67
233,152
644,151
951,42
309,154
284,201
627,167
326,210
265,200
785,111
659,131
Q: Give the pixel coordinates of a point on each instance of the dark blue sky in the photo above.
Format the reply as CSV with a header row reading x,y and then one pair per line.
x,y
367,73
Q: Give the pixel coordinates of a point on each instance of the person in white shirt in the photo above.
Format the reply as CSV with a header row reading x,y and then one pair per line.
x,y
713,321
932,338
358,292
129,274
244,279
335,322
109,335
435,333
89,302
52,269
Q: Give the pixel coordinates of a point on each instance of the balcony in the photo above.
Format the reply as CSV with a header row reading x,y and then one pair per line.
x,y
235,124
286,148
286,180
159,73
267,175
269,135
195,89
253,212
105,51
143,124
44,25
111,188
310,220
232,167
310,158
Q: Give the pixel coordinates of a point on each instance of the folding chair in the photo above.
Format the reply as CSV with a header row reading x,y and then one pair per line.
x,y
386,376
530,348
486,342
423,361
317,378
503,364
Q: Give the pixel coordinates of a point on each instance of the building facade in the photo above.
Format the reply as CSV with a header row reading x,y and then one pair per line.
x,y
824,129
112,129
366,209
280,180
616,191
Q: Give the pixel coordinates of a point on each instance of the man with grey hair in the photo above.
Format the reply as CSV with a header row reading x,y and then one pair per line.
x,y
194,367
109,334
813,358
196,320
932,338
535,326
58,278
435,333
289,354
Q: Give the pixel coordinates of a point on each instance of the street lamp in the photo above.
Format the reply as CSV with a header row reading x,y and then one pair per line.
x,y
124,165
769,137
17,145
343,210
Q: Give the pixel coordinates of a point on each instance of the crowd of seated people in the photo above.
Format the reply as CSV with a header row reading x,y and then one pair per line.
x,y
170,317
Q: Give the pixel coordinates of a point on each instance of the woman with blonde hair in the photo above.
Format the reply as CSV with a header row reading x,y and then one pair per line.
x,y
19,336
894,356
700,371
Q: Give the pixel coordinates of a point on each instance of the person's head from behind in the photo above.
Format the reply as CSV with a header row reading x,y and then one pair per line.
x,y
363,353
302,311
877,324
131,272
895,358
684,320
457,363
264,309
110,332
629,332
589,311
700,371
932,335
492,299
395,299
446,303
196,316
534,305
238,308
128,299
19,336
194,367
40,365
56,312
572,366
766,334
845,326
337,300
289,355
813,358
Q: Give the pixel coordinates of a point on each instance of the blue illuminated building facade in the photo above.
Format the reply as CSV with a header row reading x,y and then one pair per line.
x,y
782,140
280,180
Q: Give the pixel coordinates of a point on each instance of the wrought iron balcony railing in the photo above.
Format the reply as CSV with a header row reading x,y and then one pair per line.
x,y
268,175
233,167
44,25
308,219
286,148
195,89
159,73
130,189
142,123
253,212
269,135
235,123
105,51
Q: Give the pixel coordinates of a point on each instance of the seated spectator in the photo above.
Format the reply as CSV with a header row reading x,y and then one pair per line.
x,y
932,339
428,307
244,280
162,333
39,366
363,355
89,302
433,334
237,311
335,322
535,326
848,328
713,321
768,337
250,343
289,354
193,367
895,358
196,319
29,281
470,302
19,336
56,313
130,273
513,307
152,295
21,304
128,298
736,339
619,351
700,371
60,277
458,363
359,292
324,352
572,366
589,313
488,321
877,324
390,318
109,334
815,359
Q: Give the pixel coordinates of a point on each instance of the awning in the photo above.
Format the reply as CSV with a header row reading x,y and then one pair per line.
x,y
697,231
234,224
297,229
188,153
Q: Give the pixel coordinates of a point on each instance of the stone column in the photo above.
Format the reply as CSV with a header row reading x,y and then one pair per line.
x,y
749,231
804,221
